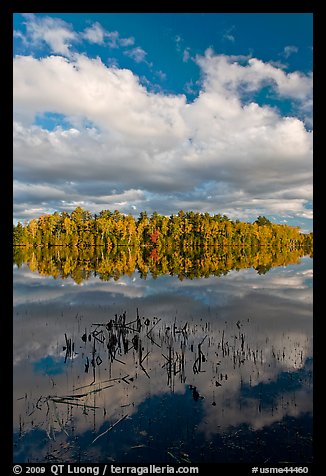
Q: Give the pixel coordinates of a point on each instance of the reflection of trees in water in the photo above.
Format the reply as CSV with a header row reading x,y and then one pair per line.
x,y
196,262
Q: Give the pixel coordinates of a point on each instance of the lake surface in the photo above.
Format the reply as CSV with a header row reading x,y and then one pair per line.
x,y
165,369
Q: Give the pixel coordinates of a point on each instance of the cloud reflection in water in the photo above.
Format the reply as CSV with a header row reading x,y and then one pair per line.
x,y
255,336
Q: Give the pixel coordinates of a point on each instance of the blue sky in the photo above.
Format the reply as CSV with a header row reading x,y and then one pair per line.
x,y
208,112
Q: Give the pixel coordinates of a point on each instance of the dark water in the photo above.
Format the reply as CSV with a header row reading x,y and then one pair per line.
x,y
213,369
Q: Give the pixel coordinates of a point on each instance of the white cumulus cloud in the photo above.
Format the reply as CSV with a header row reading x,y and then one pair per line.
x,y
99,35
137,54
56,33
217,153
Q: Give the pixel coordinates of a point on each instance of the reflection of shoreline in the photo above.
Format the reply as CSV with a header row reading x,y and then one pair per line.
x,y
196,262
268,317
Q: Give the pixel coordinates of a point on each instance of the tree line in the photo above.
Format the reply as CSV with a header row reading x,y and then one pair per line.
x,y
83,229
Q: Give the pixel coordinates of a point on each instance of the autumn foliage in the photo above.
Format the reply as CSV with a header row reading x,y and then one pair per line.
x,y
186,229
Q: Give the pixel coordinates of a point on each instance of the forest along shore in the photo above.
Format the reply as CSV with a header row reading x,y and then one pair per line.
x,y
81,228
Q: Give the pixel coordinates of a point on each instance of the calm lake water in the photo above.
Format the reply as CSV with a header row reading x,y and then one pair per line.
x,y
215,369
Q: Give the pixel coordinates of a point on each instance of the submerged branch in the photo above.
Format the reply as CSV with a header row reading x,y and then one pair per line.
x,y
109,429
